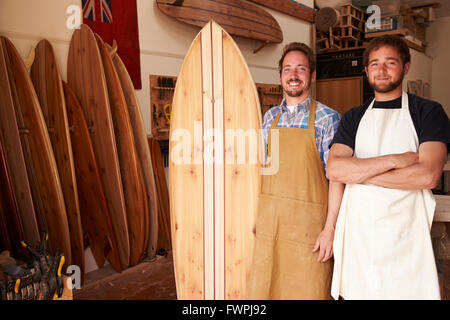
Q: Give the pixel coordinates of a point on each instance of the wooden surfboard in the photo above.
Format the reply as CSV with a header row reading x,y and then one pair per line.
x,y
142,148
14,159
11,230
214,181
164,235
87,79
132,178
95,216
237,17
48,85
39,158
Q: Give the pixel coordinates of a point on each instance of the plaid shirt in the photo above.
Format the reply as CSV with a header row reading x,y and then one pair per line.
x,y
326,123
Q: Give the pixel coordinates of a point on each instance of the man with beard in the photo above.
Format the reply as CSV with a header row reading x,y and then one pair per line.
x,y
293,234
389,153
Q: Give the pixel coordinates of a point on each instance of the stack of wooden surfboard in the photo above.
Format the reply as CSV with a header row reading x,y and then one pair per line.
x,y
74,157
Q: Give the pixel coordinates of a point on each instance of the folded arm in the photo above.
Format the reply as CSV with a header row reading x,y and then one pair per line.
x,y
345,168
424,174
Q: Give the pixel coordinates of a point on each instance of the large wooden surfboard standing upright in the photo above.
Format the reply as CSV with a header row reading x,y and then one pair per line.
x,y
14,159
132,180
42,171
94,212
86,77
142,148
214,181
48,85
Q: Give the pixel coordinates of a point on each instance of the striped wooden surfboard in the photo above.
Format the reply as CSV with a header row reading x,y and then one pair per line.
x,y
214,169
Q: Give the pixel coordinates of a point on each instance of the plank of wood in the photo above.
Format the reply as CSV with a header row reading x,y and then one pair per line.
x,y
164,233
47,82
39,158
130,168
15,162
142,148
290,8
86,77
237,17
94,212
442,211
214,179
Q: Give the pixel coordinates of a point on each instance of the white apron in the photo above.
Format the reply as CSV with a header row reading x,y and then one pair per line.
x,y
382,245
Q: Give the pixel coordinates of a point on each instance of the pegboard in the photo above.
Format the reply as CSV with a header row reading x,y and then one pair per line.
x,y
161,95
270,95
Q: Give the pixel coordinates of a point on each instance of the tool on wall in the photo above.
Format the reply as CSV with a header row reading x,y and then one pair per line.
x,y
161,95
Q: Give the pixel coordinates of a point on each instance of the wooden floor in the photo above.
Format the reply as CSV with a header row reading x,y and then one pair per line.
x,y
153,280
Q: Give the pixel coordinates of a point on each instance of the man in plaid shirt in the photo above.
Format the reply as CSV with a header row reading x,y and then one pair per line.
x,y
295,224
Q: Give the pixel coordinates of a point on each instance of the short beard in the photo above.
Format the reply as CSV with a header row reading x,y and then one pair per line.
x,y
390,87
297,93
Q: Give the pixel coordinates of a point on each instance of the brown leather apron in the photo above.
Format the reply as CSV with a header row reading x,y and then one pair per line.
x,y
292,213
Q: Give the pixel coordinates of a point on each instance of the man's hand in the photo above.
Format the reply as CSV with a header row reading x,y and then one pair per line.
x,y
324,242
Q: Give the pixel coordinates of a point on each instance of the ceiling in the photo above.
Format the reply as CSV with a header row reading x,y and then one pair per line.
x,y
443,11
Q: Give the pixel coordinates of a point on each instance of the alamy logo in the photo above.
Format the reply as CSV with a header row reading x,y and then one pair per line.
x,y
74,20
374,21
233,146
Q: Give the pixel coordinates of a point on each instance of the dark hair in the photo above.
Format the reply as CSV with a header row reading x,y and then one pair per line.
x,y
395,42
298,46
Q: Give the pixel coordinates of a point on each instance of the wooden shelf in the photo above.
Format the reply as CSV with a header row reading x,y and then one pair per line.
x,y
400,32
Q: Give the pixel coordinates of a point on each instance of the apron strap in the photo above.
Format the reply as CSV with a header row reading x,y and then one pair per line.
x,y
311,119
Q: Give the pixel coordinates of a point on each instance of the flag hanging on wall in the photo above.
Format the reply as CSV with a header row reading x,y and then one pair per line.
x,y
117,20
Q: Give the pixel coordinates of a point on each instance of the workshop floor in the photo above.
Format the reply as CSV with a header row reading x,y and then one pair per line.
x,y
156,281
147,281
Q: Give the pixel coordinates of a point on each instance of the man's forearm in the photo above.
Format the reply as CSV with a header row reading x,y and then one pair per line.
x,y
424,174
335,193
415,177
351,170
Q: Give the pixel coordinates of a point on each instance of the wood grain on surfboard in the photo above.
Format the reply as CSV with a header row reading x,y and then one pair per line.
x,y
291,8
132,179
11,230
9,134
143,151
47,82
94,212
86,77
213,204
164,235
237,17
39,158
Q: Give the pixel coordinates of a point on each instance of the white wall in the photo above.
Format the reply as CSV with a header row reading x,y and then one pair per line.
x,y
163,41
439,49
420,68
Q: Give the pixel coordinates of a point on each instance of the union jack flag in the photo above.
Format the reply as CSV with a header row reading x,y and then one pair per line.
x,y
90,7
117,20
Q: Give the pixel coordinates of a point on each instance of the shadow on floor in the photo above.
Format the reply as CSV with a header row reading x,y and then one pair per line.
x,y
153,280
